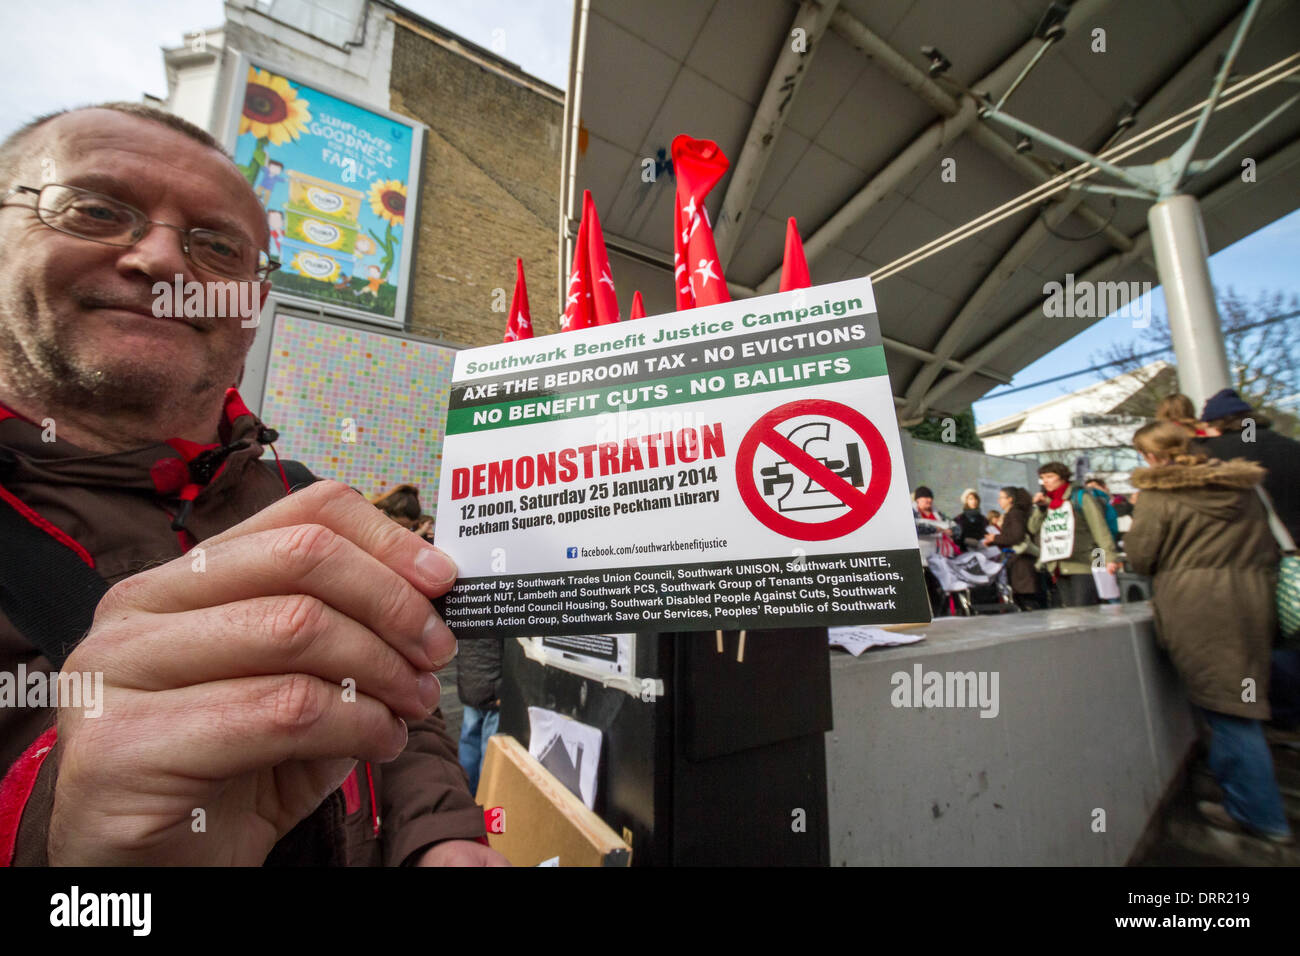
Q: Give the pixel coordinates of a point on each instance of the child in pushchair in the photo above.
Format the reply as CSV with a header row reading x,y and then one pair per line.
x,y
973,583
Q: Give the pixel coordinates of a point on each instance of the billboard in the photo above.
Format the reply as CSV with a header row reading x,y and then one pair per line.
x,y
338,184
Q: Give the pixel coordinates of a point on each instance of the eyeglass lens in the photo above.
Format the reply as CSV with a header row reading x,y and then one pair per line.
x,y
102,219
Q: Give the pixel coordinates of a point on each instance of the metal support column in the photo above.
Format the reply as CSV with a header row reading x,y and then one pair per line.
x,y
1178,237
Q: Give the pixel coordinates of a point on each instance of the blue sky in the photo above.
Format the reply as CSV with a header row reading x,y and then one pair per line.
x,y
1266,261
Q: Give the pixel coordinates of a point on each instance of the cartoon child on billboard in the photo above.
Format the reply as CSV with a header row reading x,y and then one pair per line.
x,y
272,175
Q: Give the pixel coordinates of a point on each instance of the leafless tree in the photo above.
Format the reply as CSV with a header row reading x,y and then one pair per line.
x,y
1263,349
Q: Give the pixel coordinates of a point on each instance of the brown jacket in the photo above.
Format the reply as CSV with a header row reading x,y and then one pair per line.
x,y
111,505
1202,532
1020,567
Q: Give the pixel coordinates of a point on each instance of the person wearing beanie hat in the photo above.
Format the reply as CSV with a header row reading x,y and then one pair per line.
x,y
933,536
933,530
1235,430
1225,403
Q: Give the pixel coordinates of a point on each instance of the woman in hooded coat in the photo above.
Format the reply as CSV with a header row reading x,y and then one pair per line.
x,y
1014,534
1201,530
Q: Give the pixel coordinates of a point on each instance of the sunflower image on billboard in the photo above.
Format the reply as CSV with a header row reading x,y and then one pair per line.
x,y
333,179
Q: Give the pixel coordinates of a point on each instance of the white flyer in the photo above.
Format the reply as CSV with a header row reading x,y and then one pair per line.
x,y
1057,534
736,466
856,639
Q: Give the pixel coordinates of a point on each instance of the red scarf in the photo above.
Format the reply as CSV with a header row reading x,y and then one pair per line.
x,y
1055,498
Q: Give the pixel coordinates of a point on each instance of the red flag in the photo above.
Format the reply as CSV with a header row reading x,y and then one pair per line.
x,y
794,270
638,307
698,165
519,325
591,299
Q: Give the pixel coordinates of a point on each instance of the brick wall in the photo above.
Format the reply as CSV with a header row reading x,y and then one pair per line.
x,y
490,192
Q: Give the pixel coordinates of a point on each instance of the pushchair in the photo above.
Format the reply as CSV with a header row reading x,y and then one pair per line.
x,y
974,583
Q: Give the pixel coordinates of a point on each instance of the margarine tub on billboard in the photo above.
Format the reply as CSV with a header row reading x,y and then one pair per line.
x,y
335,180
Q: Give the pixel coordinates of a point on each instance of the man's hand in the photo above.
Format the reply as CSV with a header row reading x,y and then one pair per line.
x,y
1113,567
1041,499
461,853
248,690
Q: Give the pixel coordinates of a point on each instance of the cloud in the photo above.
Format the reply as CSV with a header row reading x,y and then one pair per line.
x,y
63,53
71,52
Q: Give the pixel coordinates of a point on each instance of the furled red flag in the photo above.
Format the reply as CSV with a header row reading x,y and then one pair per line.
x,y
591,299
794,270
698,165
638,307
519,325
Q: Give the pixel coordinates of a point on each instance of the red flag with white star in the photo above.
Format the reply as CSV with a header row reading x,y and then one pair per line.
x,y
638,307
590,299
519,325
794,269
698,165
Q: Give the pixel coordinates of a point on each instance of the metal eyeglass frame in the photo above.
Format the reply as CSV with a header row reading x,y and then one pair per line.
x,y
142,229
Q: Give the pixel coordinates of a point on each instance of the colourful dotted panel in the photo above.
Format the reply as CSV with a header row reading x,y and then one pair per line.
x,y
393,391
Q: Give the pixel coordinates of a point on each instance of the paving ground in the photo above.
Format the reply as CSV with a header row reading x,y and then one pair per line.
x,y
1185,839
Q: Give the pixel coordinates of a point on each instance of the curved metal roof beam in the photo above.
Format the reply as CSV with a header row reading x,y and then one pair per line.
x,y
769,119
1017,253
1280,158
958,116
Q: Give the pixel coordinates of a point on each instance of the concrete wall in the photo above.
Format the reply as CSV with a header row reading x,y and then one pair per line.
x,y
948,470
1090,717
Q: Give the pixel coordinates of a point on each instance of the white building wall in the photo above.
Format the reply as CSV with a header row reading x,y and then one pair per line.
x,y
194,93
359,69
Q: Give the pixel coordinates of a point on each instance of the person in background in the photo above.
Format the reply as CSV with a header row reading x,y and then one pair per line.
x,y
478,683
994,521
1202,532
1234,430
1013,535
971,522
1123,507
933,536
1072,574
402,504
1179,408
933,530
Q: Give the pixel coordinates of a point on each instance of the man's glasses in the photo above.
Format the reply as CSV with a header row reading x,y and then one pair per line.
x,y
99,218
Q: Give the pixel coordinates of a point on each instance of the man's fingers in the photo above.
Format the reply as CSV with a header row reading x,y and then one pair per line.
x,y
306,559
343,511
263,636
221,730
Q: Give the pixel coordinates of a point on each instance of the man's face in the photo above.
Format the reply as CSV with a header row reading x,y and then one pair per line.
x,y
1050,480
924,503
76,317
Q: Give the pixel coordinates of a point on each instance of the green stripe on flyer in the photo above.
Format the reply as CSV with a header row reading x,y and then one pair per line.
x,y
678,390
